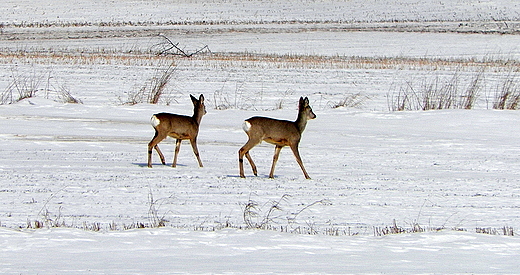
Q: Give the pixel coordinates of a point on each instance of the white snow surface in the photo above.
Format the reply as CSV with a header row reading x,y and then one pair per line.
x,y
244,11
79,170
175,251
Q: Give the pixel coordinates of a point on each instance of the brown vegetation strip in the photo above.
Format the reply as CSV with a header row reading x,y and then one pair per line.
x,y
284,60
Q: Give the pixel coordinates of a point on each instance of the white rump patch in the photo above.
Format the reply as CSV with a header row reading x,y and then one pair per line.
x,y
155,121
246,126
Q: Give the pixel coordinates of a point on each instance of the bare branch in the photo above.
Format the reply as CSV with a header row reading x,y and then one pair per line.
x,y
171,48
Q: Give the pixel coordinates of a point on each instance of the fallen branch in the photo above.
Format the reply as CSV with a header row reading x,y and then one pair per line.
x,y
170,48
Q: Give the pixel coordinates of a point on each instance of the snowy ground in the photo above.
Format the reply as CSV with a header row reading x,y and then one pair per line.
x,y
170,251
246,11
79,170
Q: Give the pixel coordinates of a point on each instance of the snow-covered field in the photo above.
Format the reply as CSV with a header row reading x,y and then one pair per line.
x,y
448,178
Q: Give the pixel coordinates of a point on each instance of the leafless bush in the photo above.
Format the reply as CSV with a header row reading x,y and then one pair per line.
x,y
469,97
153,89
22,86
507,95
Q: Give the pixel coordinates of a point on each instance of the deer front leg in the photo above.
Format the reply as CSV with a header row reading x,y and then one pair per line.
x,y
196,151
177,149
299,160
277,150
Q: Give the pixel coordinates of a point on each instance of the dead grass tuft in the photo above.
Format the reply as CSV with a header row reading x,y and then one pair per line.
x,y
507,95
437,93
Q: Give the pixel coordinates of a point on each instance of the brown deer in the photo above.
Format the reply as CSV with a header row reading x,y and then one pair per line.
x,y
178,127
278,132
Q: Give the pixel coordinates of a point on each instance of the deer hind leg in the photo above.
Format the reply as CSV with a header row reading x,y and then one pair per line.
x,y
154,145
294,148
244,151
196,151
277,150
177,149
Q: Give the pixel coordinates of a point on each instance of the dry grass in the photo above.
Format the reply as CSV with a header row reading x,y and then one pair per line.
x,y
80,58
28,85
354,62
437,93
507,94
356,100
154,89
253,60
420,93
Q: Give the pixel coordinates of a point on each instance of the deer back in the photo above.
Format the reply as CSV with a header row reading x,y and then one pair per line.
x,y
176,126
274,131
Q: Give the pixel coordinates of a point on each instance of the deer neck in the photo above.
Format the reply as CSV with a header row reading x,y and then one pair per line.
x,y
301,122
197,115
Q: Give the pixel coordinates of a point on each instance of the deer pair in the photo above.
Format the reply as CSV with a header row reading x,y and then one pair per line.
x,y
280,133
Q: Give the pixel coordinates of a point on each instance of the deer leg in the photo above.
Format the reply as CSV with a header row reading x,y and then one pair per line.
x,y
177,148
160,154
277,150
196,151
252,163
299,160
244,151
153,145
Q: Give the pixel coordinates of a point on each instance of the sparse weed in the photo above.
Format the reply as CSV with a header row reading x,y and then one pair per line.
x,y
258,217
355,100
240,99
505,231
397,229
254,216
437,93
24,86
224,100
154,218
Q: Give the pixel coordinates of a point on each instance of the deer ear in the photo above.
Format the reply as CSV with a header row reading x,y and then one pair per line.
x,y
304,102
194,99
201,98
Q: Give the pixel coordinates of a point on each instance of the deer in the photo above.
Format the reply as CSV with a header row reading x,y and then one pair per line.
x,y
179,127
280,133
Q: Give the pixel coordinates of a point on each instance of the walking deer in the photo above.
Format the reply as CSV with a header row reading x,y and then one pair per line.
x,y
281,133
179,127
